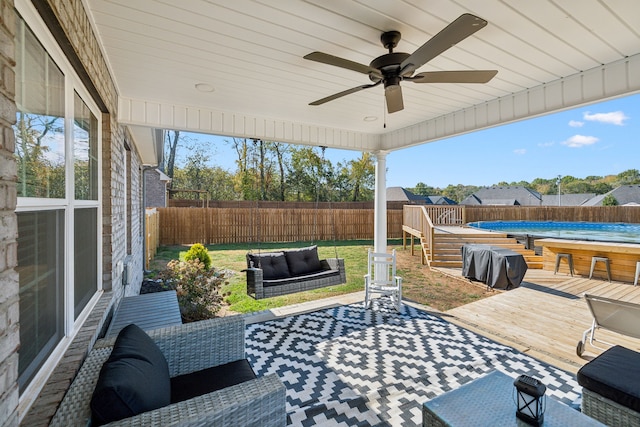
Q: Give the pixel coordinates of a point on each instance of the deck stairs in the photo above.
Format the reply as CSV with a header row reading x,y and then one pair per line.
x,y
447,248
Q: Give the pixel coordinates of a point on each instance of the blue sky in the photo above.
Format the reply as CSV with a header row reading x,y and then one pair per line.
x,y
599,139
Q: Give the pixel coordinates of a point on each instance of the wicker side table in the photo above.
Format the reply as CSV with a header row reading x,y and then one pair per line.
x,y
488,401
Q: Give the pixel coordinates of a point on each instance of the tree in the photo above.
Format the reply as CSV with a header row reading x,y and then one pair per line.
x,y
304,172
459,192
196,172
245,179
423,189
609,200
41,170
362,177
172,140
577,186
280,151
629,177
601,188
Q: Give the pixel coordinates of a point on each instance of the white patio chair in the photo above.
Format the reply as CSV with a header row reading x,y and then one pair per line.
x,y
381,278
622,317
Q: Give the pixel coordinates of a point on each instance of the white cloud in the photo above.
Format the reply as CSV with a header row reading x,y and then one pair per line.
x,y
576,123
520,151
578,141
614,118
546,144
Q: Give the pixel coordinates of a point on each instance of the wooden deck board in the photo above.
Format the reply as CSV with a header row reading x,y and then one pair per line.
x,y
545,317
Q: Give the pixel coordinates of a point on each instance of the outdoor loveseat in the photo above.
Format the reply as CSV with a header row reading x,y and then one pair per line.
x,y
272,274
200,348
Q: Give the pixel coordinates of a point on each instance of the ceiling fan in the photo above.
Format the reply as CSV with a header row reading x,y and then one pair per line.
x,y
392,68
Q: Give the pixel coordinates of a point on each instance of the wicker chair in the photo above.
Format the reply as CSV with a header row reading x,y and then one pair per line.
x,y
188,348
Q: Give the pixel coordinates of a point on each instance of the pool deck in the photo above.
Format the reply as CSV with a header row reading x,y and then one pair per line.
x,y
545,317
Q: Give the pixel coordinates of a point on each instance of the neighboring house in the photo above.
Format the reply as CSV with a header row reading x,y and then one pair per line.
x,y
625,195
440,200
400,194
567,199
155,188
504,196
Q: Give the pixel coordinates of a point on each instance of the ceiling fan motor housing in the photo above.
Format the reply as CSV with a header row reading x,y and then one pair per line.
x,y
389,66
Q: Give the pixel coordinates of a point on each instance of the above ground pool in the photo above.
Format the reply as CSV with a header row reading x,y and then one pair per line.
x,y
598,231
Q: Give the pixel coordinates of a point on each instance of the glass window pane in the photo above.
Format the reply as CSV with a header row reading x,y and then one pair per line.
x,y
40,266
85,151
86,254
39,128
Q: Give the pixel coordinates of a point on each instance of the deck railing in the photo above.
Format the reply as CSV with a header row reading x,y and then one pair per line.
x,y
421,221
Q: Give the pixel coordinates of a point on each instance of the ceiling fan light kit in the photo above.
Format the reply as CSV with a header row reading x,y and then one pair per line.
x,y
393,67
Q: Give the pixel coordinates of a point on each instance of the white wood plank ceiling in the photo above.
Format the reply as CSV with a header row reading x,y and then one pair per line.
x,y
550,55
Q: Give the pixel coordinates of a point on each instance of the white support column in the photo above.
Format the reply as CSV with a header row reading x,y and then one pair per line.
x,y
380,204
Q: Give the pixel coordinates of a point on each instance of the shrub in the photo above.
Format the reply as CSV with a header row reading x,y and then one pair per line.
x,y
198,288
198,251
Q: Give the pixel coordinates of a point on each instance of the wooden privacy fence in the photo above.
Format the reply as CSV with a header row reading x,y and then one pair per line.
x,y
152,238
241,225
629,214
244,222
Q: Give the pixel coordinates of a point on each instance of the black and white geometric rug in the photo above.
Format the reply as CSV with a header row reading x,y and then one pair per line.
x,y
347,366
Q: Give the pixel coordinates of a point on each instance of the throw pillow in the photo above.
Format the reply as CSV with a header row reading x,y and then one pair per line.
x,y
134,379
273,265
303,261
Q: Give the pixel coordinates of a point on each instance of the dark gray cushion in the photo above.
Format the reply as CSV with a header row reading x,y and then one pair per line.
x,y
134,379
323,274
615,374
188,386
273,265
303,261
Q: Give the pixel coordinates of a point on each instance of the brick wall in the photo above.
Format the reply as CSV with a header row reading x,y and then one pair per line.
x,y
155,189
9,332
136,226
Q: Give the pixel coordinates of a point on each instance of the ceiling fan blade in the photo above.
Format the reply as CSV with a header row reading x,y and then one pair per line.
x,y
344,93
470,76
325,58
453,33
393,95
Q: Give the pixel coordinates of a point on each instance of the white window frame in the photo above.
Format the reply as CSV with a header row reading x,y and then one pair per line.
x,y
28,204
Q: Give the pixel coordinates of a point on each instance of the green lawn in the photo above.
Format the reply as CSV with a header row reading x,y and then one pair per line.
x,y
232,257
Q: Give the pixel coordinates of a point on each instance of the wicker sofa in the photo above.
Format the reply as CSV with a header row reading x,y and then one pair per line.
x,y
187,348
273,274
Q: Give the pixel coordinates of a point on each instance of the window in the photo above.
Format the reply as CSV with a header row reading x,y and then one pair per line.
x,y
86,253
85,151
57,134
40,149
40,265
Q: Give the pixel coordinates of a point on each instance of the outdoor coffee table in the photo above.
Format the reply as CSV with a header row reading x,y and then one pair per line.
x,y
489,401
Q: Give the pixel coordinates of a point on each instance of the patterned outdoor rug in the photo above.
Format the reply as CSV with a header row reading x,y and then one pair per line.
x,y
347,366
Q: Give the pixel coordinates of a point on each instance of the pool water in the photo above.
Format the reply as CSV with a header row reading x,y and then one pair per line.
x,y
598,231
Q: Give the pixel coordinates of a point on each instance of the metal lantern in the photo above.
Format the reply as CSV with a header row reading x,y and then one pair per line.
x,y
530,400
